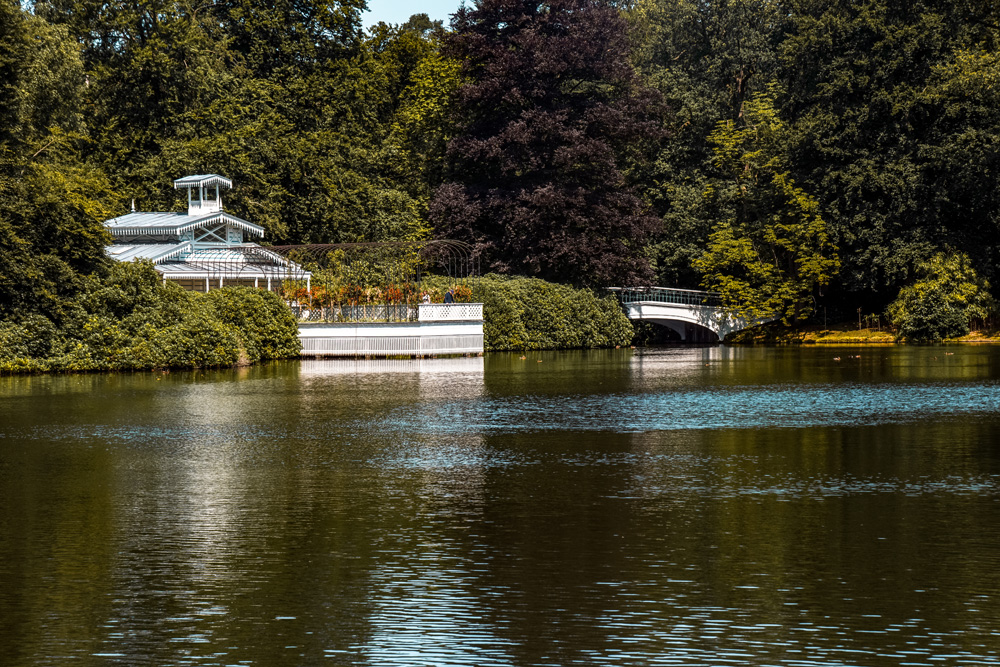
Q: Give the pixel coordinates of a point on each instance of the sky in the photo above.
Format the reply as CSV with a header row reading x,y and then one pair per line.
x,y
397,11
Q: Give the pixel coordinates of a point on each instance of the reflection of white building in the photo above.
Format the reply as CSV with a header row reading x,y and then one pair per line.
x,y
204,248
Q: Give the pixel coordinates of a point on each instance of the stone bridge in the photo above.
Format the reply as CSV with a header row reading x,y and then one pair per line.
x,y
697,316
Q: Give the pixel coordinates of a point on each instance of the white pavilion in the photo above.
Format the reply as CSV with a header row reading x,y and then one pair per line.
x,y
202,249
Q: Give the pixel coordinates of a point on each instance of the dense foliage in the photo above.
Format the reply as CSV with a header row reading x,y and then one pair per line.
x,y
946,297
523,313
532,314
893,128
770,250
130,320
793,154
706,59
549,112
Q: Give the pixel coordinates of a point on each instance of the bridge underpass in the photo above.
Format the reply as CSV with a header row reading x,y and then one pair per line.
x,y
697,316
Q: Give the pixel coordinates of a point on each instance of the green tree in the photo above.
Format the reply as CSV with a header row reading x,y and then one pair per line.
x,y
278,39
707,59
942,302
771,250
51,202
418,125
868,140
960,155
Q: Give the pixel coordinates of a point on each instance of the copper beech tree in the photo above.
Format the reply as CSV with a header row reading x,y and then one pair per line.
x,y
550,114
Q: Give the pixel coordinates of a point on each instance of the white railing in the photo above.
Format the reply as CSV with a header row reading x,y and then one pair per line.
x,y
684,297
361,313
363,345
425,312
450,312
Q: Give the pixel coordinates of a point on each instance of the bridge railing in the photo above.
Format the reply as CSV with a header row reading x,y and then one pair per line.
x,y
684,297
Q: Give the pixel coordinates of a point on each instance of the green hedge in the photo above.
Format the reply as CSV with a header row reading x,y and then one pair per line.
x,y
129,320
532,314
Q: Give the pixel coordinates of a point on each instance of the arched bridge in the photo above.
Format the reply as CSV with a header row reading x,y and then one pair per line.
x,y
697,316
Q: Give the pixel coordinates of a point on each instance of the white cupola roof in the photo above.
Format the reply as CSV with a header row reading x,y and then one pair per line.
x,y
203,192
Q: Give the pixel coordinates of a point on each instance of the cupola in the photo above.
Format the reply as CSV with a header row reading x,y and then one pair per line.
x,y
204,192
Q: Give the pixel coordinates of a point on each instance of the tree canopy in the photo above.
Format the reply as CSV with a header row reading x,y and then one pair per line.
x,y
751,146
549,111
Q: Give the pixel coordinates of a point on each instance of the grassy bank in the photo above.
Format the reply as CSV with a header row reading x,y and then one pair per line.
x,y
847,333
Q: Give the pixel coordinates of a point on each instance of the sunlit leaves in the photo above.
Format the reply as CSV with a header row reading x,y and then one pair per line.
x,y
772,249
946,296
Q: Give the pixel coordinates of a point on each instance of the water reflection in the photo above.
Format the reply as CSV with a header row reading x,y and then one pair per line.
x,y
449,366
679,506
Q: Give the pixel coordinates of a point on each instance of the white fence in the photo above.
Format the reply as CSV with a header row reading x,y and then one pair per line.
x,y
393,339
392,346
425,312
451,312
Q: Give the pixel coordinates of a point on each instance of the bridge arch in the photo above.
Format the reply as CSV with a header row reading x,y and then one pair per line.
x,y
696,315
688,330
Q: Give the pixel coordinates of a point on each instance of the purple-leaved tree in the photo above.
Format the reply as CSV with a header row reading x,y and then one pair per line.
x,y
550,112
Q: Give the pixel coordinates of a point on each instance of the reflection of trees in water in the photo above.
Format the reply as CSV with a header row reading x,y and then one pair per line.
x,y
58,550
804,365
551,532
787,526
155,538
138,518
580,541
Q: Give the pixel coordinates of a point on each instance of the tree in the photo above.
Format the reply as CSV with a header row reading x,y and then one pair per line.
x,y
550,111
290,100
871,144
420,85
51,203
946,296
771,250
278,39
960,155
706,57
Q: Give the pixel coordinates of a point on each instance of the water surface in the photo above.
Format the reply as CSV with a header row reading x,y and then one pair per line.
x,y
708,506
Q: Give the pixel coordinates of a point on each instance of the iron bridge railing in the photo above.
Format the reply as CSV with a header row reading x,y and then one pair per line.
x,y
684,297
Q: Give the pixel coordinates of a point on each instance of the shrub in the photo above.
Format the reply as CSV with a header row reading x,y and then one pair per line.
x,y
16,348
266,327
947,294
532,314
129,320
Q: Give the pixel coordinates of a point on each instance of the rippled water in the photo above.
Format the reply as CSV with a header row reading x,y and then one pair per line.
x,y
708,506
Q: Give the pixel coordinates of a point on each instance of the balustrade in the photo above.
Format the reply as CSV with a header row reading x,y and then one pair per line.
x,y
425,312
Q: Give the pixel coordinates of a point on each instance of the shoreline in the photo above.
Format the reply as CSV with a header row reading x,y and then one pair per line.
x,y
843,334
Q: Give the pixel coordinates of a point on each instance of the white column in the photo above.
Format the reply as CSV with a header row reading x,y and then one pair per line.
x,y
206,284
255,281
269,283
220,282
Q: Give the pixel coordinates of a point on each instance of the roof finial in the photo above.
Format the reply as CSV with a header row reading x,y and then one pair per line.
x,y
133,204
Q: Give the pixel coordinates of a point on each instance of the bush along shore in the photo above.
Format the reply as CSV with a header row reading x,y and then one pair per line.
x,y
849,333
129,320
946,302
533,314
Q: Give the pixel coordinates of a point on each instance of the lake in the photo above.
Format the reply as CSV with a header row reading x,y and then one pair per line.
x,y
676,506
